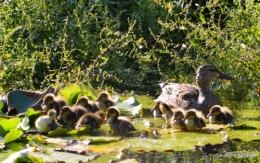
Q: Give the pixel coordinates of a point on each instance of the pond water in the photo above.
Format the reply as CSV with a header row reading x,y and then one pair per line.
x,y
214,143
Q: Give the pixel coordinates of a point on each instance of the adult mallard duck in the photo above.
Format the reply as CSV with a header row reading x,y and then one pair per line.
x,y
91,106
70,115
165,109
118,125
220,115
177,122
50,101
189,96
194,119
91,120
104,101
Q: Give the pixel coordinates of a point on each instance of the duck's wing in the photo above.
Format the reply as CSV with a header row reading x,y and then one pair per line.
x,y
179,95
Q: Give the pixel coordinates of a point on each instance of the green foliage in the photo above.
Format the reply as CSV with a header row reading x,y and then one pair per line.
x,y
13,135
129,45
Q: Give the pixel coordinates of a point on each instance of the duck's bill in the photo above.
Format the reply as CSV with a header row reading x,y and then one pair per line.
x,y
43,104
224,76
208,115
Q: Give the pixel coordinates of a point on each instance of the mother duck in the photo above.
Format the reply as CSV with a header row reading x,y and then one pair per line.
x,y
189,96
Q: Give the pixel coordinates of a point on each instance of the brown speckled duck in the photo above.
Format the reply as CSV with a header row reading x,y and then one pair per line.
x,y
89,105
91,120
194,119
70,115
118,125
220,115
188,96
52,102
104,101
176,122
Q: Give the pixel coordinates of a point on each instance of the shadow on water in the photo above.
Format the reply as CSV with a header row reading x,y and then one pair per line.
x,y
230,152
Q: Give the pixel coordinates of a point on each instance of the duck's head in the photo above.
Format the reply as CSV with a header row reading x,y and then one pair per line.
x,y
214,110
112,112
52,113
178,115
190,114
101,115
103,96
48,99
208,72
82,101
162,106
65,110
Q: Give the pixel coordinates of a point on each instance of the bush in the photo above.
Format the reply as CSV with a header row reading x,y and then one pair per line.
x,y
128,45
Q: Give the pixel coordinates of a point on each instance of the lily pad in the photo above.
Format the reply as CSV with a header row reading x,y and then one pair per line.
x,y
8,124
13,135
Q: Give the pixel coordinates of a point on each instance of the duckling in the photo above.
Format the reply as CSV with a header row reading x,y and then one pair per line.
x,y
91,120
52,102
194,119
177,123
47,123
104,101
220,115
166,111
70,115
89,105
118,125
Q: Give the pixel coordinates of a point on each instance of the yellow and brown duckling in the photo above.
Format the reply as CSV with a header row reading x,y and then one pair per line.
x,y
177,122
118,125
70,115
47,123
194,119
91,120
220,115
91,106
104,101
52,102
166,110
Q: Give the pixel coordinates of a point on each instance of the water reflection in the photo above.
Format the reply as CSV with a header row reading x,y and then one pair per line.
x,y
229,152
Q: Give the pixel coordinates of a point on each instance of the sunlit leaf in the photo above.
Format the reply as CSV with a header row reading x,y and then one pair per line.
x,y
21,154
13,135
129,103
1,104
24,125
61,132
9,124
202,19
35,159
137,110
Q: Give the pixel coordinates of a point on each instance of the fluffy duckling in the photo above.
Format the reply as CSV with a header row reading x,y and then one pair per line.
x,y
104,101
177,123
89,105
70,115
220,115
91,120
194,119
52,102
118,125
47,123
165,109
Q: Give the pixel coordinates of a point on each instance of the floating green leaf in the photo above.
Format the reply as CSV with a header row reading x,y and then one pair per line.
x,y
9,124
13,135
24,125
